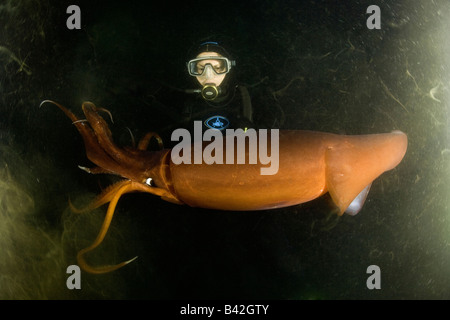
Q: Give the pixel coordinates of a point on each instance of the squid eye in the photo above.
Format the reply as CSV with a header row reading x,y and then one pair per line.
x,y
149,182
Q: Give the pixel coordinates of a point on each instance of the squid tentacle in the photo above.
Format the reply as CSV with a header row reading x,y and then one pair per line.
x,y
144,142
93,150
125,187
111,195
104,136
106,196
95,170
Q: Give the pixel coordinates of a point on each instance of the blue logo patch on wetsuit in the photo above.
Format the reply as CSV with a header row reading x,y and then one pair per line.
x,y
217,122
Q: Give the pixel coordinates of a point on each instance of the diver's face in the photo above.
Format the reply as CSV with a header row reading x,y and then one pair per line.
x,y
206,66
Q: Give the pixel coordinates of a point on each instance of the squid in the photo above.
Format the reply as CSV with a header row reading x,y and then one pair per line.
x,y
310,165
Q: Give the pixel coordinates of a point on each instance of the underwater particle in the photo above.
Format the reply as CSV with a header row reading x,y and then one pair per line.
x,y
23,66
433,91
389,93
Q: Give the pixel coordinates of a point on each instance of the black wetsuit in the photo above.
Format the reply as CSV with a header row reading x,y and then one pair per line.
x,y
173,109
231,112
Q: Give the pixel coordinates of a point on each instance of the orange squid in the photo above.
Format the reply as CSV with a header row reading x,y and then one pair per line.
x,y
310,165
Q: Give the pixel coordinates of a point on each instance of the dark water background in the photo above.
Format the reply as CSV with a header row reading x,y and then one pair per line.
x,y
348,80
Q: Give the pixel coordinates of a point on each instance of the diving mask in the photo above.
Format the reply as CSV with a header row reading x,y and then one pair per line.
x,y
220,65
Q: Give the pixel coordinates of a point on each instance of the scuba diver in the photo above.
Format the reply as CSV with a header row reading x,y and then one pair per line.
x,y
213,96
220,103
